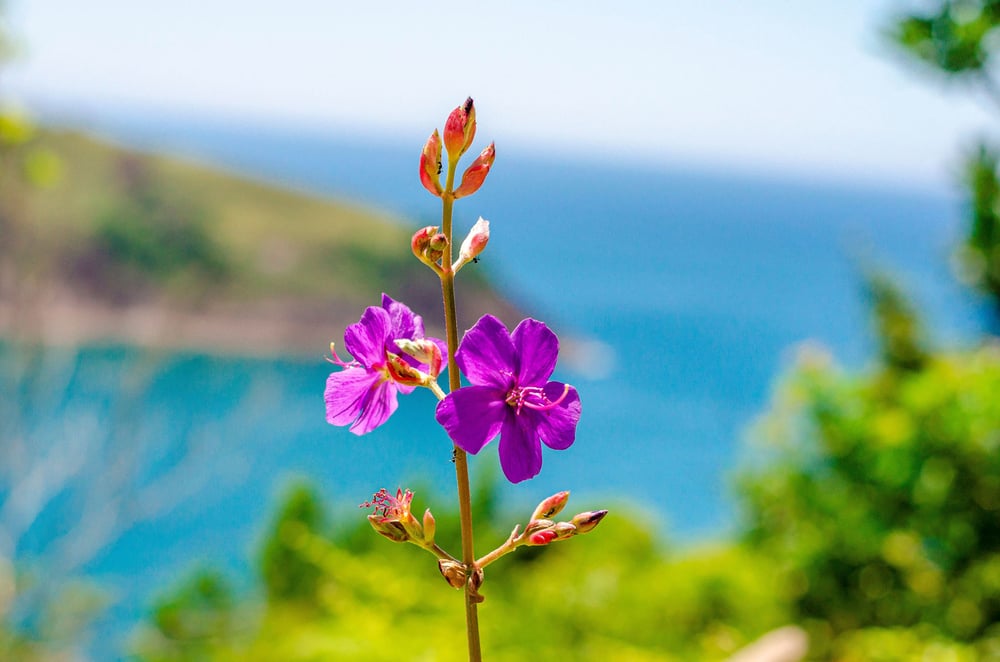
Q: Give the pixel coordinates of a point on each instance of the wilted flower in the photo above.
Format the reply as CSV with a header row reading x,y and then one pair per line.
x,y
364,394
511,396
392,517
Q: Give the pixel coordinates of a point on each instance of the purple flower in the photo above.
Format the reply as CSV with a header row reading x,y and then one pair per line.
x,y
363,394
511,396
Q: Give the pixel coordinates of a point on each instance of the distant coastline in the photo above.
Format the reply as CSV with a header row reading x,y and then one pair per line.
x,y
304,266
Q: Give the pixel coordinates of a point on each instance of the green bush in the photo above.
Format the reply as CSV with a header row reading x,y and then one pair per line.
x,y
880,500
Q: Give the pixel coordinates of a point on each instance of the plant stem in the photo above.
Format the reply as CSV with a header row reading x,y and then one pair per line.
x,y
512,543
472,597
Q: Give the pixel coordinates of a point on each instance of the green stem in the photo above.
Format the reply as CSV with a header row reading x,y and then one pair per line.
x,y
512,543
472,597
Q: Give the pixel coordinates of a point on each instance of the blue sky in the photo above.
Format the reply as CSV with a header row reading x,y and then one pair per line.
x,y
768,85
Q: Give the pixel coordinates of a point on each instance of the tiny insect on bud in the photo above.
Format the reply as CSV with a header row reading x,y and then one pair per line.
x,y
459,130
550,507
585,522
475,174
430,165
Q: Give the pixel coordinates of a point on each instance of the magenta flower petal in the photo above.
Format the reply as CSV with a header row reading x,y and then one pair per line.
x,y
557,426
379,404
472,416
511,395
345,394
520,452
486,354
537,349
404,323
366,339
365,393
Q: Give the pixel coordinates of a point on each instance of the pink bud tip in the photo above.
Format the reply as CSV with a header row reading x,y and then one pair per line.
x,y
543,537
460,129
475,174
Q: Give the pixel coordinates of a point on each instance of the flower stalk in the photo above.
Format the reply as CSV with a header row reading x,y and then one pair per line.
x,y
510,396
447,276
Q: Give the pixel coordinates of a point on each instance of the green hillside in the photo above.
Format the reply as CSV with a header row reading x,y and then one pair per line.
x,y
115,236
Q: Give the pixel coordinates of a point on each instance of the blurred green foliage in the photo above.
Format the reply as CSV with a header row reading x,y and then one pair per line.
x,y
616,595
959,39
879,498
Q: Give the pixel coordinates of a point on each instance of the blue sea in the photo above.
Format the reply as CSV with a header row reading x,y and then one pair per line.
x,y
684,291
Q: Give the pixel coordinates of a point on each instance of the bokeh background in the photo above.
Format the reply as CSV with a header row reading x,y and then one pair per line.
x,y
767,234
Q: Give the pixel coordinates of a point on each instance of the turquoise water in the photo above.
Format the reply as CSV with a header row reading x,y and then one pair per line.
x,y
688,290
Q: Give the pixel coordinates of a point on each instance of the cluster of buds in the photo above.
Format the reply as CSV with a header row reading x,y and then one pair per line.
x,y
428,245
541,530
459,130
392,518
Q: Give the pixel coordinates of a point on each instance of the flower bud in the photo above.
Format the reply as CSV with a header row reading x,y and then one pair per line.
x,y
474,243
421,241
543,537
585,522
426,351
551,506
430,165
403,372
564,530
476,173
536,525
459,130
438,242
453,572
430,526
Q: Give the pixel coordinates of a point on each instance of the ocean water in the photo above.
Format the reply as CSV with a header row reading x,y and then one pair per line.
x,y
684,293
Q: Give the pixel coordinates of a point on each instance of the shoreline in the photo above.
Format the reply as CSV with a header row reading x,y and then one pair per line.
x,y
286,328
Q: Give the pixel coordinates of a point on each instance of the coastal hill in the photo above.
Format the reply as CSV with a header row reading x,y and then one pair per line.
x,y
156,251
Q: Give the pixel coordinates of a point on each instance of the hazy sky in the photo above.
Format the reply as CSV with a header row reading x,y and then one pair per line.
x,y
791,85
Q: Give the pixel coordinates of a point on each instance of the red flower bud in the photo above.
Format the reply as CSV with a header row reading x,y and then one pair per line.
x,y
476,173
543,537
460,129
430,165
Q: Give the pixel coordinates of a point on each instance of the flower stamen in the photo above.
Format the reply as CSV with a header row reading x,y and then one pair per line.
x,y
533,397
